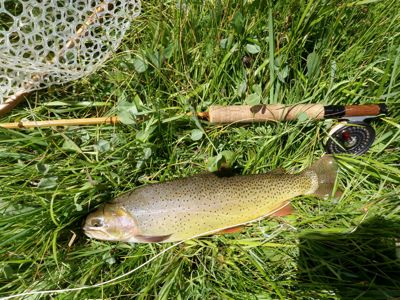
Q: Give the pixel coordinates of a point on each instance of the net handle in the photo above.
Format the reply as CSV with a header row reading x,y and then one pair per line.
x,y
13,100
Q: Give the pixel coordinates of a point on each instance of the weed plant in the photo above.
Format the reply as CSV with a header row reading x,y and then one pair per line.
x,y
180,57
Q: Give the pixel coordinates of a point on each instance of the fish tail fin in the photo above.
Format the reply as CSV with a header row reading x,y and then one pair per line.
x,y
323,175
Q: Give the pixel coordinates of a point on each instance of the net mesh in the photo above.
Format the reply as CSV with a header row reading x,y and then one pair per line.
x,y
44,42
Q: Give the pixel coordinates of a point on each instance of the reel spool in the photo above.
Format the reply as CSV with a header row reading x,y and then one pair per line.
x,y
350,138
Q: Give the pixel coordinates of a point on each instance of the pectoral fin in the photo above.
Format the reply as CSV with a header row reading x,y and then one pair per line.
x,y
152,238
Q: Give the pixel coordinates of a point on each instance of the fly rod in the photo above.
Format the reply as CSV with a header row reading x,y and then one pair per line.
x,y
353,135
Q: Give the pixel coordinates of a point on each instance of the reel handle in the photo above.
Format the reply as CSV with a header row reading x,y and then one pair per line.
x,y
278,112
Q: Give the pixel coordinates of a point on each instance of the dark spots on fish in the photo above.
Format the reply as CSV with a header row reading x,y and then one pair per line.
x,y
193,205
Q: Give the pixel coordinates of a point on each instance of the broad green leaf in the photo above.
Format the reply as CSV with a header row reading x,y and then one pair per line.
x,y
48,182
214,162
257,89
253,99
302,117
147,153
140,65
238,23
253,49
126,118
103,146
144,134
154,58
70,145
78,207
225,157
241,90
127,111
111,260
42,168
313,64
283,73
124,105
229,157
196,134
223,43
168,51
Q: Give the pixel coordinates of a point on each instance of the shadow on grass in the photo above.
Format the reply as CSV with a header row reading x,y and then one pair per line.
x,y
358,265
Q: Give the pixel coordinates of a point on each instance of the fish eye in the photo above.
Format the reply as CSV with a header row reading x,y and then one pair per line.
x,y
96,222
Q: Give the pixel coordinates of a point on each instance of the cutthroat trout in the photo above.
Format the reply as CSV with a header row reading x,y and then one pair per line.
x,y
203,204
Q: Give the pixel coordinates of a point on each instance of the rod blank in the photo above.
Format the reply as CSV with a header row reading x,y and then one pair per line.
x,y
236,114
54,123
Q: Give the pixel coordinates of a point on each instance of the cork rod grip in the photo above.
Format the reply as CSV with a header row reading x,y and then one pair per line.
x,y
263,113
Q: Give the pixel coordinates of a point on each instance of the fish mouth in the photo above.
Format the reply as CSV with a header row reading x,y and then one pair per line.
x,y
87,232
96,233
87,229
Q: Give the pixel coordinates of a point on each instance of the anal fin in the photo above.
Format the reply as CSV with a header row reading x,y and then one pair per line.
x,y
231,230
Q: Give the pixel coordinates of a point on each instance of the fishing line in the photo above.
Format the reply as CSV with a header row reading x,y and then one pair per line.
x,y
97,284
113,280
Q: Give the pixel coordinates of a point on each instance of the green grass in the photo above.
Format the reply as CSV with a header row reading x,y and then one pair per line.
x,y
196,54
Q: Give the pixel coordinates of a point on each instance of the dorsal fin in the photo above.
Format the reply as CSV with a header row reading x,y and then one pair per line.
x,y
224,172
279,171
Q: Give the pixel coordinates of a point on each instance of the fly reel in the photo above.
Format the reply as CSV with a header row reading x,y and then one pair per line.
x,y
351,138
